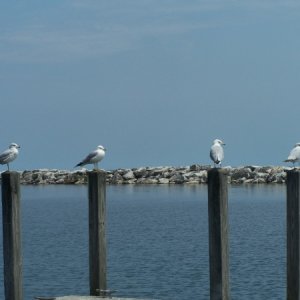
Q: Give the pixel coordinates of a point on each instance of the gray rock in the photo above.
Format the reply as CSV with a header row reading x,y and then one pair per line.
x,y
162,175
130,181
163,180
147,181
167,174
116,179
241,173
158,171
261,175
141,172
193,182
266,169
195,167
129,175
177,178
201,174
121,171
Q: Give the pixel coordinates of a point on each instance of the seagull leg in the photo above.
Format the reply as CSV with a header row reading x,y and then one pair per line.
x,y
8,167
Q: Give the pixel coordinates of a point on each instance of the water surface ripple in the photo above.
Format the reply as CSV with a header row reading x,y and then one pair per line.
x,y
157,241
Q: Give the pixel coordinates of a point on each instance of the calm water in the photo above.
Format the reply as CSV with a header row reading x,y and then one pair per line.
x,y
157,241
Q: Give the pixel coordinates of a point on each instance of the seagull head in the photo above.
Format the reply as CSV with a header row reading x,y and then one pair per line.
x,y
297,145
14,145
101,148
217,141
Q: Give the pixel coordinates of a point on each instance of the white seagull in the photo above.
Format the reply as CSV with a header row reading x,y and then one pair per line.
x,y
9,155
294,154
217,152
93,158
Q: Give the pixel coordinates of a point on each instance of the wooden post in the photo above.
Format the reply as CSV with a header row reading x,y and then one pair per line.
x,y
218,234
292,227
97,242
12,248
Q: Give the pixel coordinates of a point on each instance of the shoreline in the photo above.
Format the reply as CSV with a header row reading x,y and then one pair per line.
x,y
194,174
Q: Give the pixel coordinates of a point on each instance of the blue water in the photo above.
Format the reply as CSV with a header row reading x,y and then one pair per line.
x,y
157,239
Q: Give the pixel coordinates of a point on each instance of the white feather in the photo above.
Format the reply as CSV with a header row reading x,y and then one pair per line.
x,y
217,152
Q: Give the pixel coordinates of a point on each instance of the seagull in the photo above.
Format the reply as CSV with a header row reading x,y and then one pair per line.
x,y
93,158
294,154
9,155
217,152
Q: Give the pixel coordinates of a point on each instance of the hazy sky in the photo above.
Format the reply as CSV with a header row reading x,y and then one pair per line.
x,y
154,81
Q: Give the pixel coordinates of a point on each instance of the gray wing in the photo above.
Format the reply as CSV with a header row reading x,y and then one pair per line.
x,y
212,155
88,158
216,153
5,156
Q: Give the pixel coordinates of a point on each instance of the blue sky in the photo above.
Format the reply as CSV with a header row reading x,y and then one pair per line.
x,y
154,81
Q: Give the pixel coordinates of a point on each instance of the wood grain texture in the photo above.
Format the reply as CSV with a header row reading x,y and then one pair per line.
x,y
218,234
292,227
12,247
97,241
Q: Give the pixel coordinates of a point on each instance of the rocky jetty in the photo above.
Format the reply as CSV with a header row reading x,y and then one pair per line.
x,y
194,174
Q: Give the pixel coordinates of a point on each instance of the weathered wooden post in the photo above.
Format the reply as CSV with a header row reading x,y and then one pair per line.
x,y
97,242
218,234
12,248
292,227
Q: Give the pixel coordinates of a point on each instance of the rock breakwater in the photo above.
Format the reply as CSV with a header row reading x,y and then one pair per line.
x,y
194,174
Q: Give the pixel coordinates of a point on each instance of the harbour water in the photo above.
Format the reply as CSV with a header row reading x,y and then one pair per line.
x,y
157,241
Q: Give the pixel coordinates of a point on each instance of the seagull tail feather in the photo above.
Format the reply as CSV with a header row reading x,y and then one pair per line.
x,y
289,160
79,165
